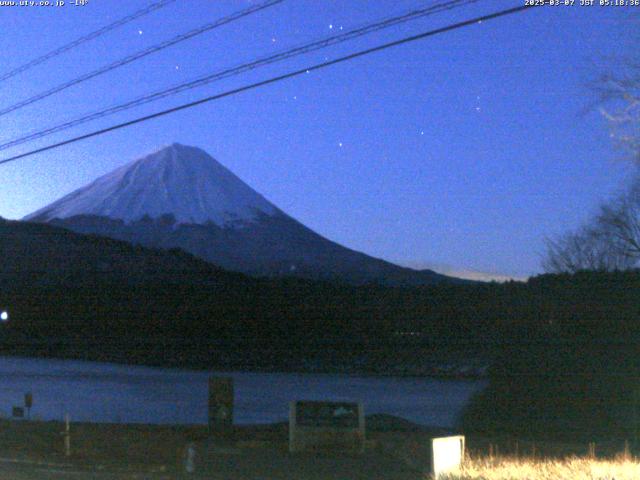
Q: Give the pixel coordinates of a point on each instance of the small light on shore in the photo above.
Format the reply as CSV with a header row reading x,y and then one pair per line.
x,y
4,316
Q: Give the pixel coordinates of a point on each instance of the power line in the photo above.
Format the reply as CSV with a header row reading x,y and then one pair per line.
x,y
143,53
90,36
278,78
300,50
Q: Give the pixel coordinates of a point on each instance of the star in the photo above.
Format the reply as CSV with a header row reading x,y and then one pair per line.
x,y
340,144
139,32
421,132
330,26
273,40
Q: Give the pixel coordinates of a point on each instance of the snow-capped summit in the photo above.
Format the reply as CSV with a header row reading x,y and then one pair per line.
x,y
177,180
217,217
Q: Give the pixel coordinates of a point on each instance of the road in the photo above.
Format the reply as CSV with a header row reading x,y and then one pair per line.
x,y
22,470
232,464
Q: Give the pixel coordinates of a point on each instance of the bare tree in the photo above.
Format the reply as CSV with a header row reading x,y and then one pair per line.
x,y
586,249
619,96
621,220
611,241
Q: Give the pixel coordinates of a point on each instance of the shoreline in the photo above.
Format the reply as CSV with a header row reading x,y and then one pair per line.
x,y
436,374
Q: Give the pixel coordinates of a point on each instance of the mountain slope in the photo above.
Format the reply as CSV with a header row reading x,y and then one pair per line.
x,y
182,181
42,255
180,197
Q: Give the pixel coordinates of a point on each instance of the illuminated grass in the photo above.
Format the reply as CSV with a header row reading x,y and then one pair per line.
x,y
540,469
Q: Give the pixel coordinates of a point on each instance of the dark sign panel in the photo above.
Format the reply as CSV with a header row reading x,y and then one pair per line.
x,y
327,414
333,426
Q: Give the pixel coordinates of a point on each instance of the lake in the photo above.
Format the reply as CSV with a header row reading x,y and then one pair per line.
x,y
103,392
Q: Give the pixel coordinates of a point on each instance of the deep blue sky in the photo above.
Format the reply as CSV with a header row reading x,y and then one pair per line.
x,y
465,149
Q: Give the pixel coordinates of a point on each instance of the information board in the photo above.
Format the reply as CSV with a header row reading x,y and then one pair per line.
x,y
336,426
325,414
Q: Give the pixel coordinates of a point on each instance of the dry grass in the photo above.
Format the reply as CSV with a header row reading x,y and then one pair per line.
x,y
131,446
155,447
539,469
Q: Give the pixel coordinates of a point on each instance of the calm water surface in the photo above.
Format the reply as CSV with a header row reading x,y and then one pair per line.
x,y
102,392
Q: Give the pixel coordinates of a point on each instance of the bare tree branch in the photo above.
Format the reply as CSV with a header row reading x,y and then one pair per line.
x,y
611,241
619,96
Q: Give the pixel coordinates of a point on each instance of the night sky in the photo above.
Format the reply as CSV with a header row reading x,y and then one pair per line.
x,y
463,151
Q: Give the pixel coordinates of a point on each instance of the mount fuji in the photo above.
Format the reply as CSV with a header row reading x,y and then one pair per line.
x,y
181,197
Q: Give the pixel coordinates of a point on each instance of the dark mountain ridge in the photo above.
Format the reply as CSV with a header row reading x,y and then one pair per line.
x,y
85,296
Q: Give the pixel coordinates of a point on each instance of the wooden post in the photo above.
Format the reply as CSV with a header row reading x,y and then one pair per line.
x,y
221,407
28,403
67,436
190,458
627,450
635,406
517,450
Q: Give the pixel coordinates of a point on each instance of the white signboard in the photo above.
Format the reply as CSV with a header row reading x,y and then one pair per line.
x,y
447,454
